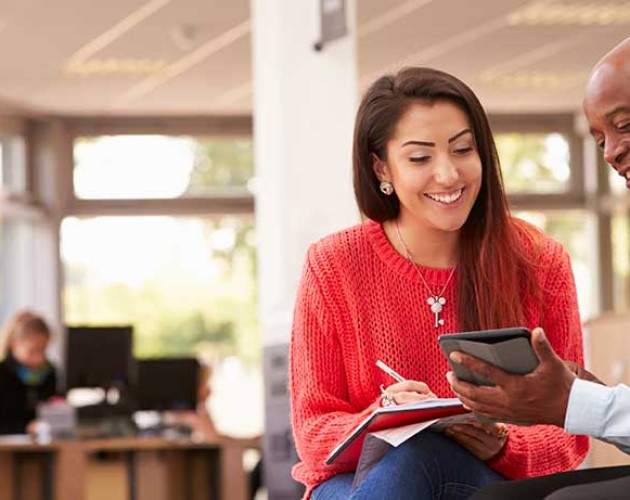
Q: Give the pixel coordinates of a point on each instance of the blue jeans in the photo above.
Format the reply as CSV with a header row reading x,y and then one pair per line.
x,y
427,466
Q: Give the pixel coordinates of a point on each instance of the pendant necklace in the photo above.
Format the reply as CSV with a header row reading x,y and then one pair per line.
x,y
436,301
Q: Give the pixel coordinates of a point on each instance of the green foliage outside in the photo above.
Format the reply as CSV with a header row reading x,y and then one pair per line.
x,y
529,166
176,312
221,163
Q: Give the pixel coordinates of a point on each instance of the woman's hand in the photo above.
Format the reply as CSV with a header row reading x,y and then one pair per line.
x,y
482,440
409,391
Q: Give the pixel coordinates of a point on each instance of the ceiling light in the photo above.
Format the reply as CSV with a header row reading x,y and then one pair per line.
x,y
115,67
546,13
533,79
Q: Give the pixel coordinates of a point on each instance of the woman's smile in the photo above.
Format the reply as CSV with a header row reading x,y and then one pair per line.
x,y
446,198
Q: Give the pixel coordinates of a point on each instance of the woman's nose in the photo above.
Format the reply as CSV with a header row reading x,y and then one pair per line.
x,y
446,172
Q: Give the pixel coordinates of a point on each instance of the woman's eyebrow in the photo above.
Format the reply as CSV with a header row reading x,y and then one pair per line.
x,y
432,144
419,143
459,134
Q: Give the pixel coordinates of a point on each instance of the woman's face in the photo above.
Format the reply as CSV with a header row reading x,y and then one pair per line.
x,y
433,163
29,349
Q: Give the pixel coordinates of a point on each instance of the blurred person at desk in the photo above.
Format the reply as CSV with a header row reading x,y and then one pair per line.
x,y
201,424
26,375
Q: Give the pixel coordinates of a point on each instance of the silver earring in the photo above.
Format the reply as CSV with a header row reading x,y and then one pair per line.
x,y
386,187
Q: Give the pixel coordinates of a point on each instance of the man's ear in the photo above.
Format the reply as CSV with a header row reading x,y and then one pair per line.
x,y
380,168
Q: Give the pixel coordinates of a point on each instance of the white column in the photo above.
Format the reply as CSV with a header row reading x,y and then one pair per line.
x,y
304,106
305,102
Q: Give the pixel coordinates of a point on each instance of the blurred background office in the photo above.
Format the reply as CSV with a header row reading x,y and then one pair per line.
x,y
165,163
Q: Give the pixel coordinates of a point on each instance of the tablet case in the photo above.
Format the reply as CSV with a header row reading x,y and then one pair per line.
x,y
514,356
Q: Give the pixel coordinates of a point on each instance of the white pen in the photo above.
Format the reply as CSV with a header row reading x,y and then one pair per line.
x,y
389,371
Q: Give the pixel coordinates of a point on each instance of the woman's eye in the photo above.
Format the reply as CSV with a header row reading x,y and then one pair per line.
x,y
463,151
418,159
623,126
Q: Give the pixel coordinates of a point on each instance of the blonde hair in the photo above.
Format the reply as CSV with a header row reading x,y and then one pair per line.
x,y
18,325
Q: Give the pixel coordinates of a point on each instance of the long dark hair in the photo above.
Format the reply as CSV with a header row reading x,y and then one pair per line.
x,y
494,268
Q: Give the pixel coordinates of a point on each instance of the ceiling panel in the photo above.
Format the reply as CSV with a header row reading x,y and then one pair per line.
x,y
193,56
429,31
206,86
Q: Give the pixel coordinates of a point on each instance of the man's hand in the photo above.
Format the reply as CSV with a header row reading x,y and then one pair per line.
x,y
539,397
582,373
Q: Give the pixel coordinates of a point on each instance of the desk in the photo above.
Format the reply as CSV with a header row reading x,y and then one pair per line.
x,y
124,469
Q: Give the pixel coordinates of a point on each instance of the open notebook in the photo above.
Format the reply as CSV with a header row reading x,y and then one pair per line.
x,y
349,450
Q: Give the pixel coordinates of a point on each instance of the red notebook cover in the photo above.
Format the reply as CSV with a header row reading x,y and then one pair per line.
x,y
349,450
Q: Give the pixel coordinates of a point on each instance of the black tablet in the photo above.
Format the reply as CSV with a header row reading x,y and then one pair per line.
x,y
509,349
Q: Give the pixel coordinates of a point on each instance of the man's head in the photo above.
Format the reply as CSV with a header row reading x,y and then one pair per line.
x,y
607,107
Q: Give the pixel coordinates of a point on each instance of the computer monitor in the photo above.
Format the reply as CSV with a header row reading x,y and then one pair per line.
x,y
100,357
167,384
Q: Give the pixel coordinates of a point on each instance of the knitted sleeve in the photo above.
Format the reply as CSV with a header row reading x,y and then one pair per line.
x,y
321,412
545,449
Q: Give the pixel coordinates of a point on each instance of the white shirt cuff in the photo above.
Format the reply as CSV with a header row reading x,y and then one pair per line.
x,y
586,409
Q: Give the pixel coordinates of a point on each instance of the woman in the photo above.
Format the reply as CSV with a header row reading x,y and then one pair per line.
x,y
26,376
439,253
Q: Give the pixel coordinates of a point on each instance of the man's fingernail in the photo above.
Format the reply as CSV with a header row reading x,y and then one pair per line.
x,y
456,357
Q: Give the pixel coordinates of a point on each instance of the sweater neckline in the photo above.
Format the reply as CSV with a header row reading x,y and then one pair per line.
x,y
401,265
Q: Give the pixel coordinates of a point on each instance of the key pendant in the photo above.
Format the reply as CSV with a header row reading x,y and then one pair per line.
x,y
437,304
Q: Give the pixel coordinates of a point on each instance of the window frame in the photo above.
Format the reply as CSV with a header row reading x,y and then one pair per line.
x,y
564,124
49,194
589,189
221,202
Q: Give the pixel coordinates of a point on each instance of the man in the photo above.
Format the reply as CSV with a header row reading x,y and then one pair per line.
x,y
556,392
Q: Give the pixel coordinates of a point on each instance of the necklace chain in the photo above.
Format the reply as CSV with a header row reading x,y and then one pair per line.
x,y
436,301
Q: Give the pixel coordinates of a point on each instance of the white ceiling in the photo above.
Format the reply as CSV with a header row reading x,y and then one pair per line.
x,y
183,57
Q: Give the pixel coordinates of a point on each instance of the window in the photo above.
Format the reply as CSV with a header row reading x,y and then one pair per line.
x,y
156,166
17,255
150,240
12,164
20,228
534,162
574,229
543,164
541,159
187,284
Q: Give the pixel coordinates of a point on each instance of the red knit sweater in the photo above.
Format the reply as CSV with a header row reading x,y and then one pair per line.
x,y
359,301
